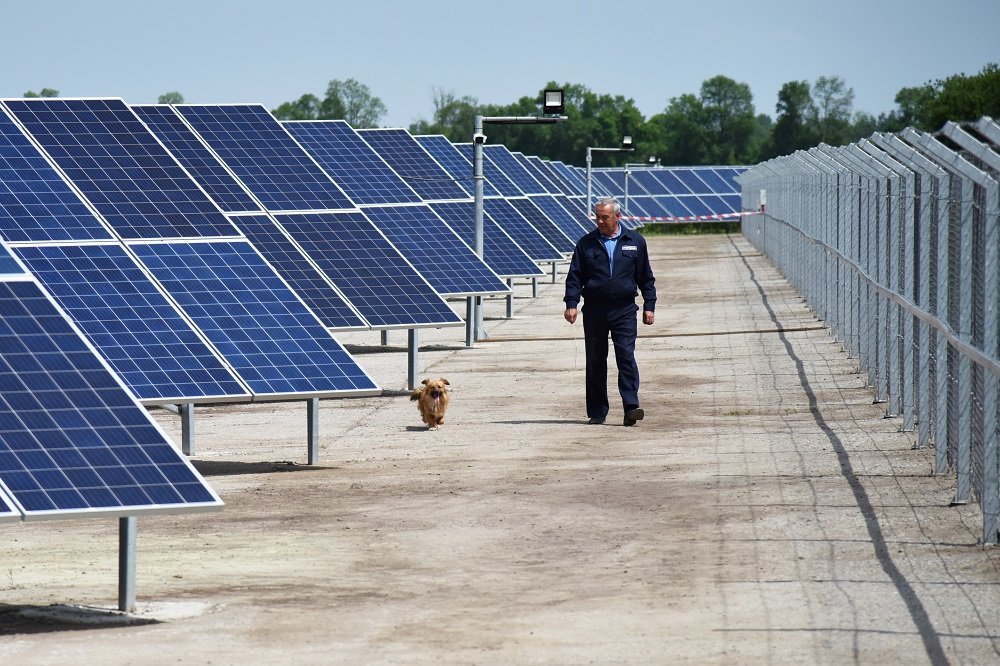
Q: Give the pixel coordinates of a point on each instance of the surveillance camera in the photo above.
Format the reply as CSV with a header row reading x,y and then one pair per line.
x,y
479,138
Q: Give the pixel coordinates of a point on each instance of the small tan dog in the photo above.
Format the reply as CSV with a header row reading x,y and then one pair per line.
x,y
432,401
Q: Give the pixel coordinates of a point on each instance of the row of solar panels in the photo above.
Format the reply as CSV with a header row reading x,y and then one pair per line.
x,y
651,194
206,252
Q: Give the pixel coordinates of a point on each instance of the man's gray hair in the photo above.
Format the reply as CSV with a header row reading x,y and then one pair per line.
x,y
609,201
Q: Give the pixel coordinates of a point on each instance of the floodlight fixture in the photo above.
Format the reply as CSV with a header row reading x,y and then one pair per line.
x,y
552,102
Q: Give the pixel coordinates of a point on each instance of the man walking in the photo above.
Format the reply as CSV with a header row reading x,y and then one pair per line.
x,y
610,267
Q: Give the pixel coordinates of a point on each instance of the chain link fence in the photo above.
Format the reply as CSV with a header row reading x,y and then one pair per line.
x,y
895,243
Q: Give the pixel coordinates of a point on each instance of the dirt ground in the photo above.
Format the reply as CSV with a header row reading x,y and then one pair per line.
x,y
764,511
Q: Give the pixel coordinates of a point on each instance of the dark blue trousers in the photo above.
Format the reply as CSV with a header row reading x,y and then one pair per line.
x,y
621,322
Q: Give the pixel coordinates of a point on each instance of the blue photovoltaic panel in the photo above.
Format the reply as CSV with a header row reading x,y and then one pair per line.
x,y
205,167
715,183
670,181
543,224
304,278
674,205
129,177
696,205
517,226
130,322
552,176
690,178
368,270
729,176
734,201
612,181
500,252
36,204
578,182
508,164
450,265
413,164
716,204
561,217
543,179
72,440
8,265
6,513
493,174
265,157
351,162
642,181
276,345
455,163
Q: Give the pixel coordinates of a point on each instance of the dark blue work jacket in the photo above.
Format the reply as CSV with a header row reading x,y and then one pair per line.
x,y
590,275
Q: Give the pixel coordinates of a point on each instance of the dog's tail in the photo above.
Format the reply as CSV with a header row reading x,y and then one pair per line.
x,y
415,394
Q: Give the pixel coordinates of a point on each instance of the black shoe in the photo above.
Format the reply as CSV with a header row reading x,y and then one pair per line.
x,y
596,421
633,415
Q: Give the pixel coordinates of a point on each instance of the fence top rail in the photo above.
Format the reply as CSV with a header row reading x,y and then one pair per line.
x,y
946,157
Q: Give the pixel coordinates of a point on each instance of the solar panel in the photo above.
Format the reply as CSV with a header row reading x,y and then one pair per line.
x,y
413,164
671,182
303,276
36,204
527,236
690,178
494,175
543,224
120,167
196,157
613,182
506,162
455,163
265,157
9,265
252,317
351,162
450,265
72,440
7,514
714,181
368,270
559,216
129,320
500,252
536,173
572,176
553,177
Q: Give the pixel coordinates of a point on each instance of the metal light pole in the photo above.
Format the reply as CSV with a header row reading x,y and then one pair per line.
x,y
626,147
552,110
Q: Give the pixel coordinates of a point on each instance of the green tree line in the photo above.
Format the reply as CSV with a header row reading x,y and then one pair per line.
x,y
716,125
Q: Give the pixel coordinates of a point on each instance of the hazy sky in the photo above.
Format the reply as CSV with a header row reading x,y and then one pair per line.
x,y
220,51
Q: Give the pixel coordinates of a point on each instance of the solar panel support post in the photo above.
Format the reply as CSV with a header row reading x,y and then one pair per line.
x,y
510,299
312,430
470,319
534,287
385,338
128,529
411,358
186,412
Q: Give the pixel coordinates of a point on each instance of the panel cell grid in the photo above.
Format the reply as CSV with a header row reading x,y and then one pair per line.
x,y
204,167
368,270
265,157
416,167
455,163
493,174
351,162
128,319
561,217
690,178
293,265
508,164
554,177
130,178
500,252
526,235
8,265
450,265
36,204
543,224
72,440
253,318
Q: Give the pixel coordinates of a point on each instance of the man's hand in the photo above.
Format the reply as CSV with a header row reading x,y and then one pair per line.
x,y
570,315
647,317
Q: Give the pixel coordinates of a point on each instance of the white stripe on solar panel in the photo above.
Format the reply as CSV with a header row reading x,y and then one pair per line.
x,y
131,323
125,173
196,157
385,288
442,258
500,252
275,343
72,440
351,162
293,265
517,226
505,161
414,165
36,204
265,157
